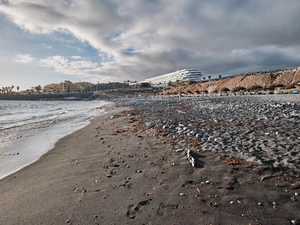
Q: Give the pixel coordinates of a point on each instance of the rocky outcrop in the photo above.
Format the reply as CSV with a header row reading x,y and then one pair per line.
x,y
286,79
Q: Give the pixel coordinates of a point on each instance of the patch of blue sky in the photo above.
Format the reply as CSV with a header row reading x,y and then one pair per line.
x,y
15,40
113,36
129,50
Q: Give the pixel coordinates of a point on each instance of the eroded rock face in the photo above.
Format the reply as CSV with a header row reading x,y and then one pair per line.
x,y
265,80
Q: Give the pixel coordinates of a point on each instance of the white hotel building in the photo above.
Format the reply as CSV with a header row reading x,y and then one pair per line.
x,y
179,75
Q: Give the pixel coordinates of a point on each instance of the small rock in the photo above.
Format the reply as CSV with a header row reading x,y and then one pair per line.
x,y
297,222
179,150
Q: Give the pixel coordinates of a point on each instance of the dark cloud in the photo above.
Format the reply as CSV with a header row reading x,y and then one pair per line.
x,y
140,39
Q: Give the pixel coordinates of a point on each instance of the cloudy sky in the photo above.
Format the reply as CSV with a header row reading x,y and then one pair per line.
x,y
49,41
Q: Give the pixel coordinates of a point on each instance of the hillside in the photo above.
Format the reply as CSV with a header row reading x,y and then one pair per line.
x,y
287,79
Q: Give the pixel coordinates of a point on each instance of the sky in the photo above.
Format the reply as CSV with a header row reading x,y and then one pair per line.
x,y
49,41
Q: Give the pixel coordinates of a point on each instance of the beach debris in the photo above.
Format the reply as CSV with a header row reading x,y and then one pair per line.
x,y
139,171
296,194
231,202
214,204
266,177
293,199
76,189
296,222
161,158
179,150
198,190
200,199
232,161
182,194
295,186
193,144
259,204
190,158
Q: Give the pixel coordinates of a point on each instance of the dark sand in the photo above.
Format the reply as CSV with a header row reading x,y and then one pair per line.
x,y
115,171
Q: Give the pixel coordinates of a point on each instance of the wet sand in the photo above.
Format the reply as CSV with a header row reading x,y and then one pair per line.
x,y
119,171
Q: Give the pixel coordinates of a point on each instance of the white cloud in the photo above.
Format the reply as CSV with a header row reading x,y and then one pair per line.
x,y
76,57
24,58
71,67
139,39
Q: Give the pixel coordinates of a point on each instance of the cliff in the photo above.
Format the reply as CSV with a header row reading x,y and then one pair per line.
x,y
286,79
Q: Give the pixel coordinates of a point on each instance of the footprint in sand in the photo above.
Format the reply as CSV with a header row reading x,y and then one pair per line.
x,y
131,212
162,210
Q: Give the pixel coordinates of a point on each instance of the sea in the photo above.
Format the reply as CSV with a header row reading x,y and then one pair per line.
x,y
28,129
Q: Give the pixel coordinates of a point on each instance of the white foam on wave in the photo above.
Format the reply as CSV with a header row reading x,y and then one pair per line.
x,y
28,148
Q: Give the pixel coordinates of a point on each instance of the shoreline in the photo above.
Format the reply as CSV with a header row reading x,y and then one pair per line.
x,y
45,97
117,170
30,148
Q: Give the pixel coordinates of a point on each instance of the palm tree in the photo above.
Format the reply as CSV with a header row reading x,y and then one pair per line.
x,y
209,77
18,88
11,88
220,76
38,88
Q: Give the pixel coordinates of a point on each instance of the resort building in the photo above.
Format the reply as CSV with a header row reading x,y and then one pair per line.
x,y
68,86
194,75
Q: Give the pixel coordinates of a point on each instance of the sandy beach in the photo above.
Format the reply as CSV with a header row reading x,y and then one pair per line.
x,y
155,163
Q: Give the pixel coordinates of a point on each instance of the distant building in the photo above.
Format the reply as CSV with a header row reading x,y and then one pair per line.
x,y
68,86
194,75
49,88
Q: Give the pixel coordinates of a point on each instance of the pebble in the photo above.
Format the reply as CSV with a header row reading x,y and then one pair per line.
x,y
297,222
205,115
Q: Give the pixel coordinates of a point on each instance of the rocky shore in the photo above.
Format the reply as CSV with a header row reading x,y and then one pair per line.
x,y
262,129
210,161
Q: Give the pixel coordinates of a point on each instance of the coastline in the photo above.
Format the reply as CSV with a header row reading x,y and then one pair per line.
x,y
116,170
45,97
30,146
